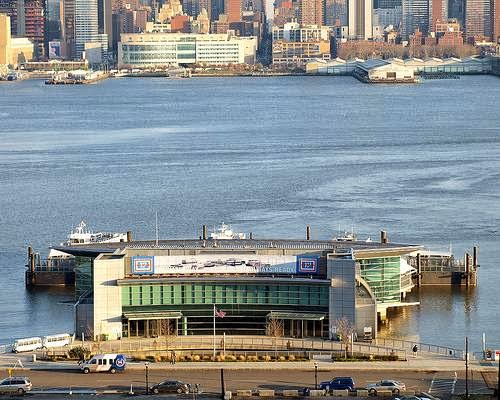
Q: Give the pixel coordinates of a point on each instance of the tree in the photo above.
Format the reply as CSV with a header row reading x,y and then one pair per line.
x,y
168,331
345,330
275,328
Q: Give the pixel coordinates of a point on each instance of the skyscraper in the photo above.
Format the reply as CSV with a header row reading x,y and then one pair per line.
x,y
360,19
495,21
233,10
335,13
9,7
86,24
477,19
34,24
439,13
311,12
415,17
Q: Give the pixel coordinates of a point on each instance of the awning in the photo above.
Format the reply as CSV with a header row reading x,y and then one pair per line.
x,y
134,316
296,316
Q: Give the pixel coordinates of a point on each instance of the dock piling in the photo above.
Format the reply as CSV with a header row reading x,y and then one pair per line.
x,y
204,232
308,232
129,236
383,237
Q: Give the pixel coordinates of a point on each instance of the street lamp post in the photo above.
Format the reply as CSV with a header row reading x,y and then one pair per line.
x,y
146,364
315,375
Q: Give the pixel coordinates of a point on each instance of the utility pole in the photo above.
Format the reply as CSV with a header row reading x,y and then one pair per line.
x,y
222,384
466,368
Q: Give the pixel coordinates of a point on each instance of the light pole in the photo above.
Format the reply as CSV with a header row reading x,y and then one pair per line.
x,y
315,375
146,364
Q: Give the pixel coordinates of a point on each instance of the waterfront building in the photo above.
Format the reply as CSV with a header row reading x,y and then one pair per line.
x,y
13,51
468,65
154,49
135,289
360,19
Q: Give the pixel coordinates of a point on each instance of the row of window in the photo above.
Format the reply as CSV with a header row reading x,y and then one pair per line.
x,y
310,295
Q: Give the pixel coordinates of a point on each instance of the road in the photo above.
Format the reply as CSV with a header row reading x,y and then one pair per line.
x,y
242,379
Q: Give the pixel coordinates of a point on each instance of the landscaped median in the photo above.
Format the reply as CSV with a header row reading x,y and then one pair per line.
x,y
360,393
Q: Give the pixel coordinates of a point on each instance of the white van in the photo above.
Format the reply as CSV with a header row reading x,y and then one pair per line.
x,y
27,344
104,363
60,340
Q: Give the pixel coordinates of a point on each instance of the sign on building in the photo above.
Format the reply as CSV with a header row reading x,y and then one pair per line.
x,y
307,265
143,265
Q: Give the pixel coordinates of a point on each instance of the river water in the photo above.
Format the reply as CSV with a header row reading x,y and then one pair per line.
x,y
268,155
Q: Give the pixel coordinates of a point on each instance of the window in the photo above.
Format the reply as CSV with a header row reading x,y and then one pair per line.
x,y
94,361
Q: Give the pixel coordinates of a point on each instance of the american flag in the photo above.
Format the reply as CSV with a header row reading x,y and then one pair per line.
x,y
219,313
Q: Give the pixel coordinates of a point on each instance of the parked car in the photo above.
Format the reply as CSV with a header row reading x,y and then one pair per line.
x,y
426,396
386,385
170,387
339,383
15,384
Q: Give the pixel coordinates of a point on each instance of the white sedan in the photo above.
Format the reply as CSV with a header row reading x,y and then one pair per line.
x,y
386,385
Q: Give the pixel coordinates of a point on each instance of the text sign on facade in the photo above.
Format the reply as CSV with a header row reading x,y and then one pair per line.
x,y
307,265
143,265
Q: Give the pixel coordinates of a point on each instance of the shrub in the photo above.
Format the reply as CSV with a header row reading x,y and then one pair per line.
x,y
291,357
242,358
206,358
79,353
281,358
196,358
231,358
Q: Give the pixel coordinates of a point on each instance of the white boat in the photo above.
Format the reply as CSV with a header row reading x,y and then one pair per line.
x,y
224,231
83,235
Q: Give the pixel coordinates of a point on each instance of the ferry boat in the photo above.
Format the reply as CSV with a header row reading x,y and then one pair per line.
x,y
224,231
81,234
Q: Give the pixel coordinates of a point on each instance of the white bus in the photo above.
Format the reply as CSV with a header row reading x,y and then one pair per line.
x,y
104,363
27,344
60,340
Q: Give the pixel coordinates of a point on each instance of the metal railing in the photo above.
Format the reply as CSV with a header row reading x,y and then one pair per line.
x,y
239,345
406,345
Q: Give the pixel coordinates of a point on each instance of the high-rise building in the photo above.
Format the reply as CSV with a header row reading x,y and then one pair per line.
x,y
34,24
86,24
360,19
9,8
495,21
335,13
415,17
233,10
104,16
68,27
311,12
387,3
439,13
477,19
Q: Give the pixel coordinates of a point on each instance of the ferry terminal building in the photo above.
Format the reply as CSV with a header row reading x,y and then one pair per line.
x,y
149,289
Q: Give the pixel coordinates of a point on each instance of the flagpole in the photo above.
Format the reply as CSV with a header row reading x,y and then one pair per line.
x,y
214,330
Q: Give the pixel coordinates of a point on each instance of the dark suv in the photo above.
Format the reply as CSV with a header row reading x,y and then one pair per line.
x,y
339,383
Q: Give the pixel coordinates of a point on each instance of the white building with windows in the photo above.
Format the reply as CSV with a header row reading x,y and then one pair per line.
x,y
161,49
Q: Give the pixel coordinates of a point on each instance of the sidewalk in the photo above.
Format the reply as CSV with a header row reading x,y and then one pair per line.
x,y
420,363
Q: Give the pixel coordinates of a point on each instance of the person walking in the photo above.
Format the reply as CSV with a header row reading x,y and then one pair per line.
x,y
415,350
